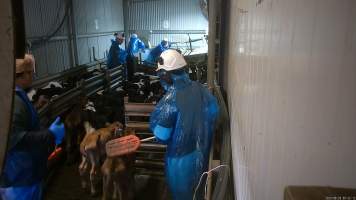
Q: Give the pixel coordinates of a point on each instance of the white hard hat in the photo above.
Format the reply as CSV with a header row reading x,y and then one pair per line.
x,y
171,60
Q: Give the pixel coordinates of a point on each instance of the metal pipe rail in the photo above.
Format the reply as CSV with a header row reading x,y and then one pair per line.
x,y
153,146
115,85
114,69
114,77
86,87
115,74
145,134
62,75
59,101
94,78
118,79
149,164
138,126
43,81
146,172
96,82
142,108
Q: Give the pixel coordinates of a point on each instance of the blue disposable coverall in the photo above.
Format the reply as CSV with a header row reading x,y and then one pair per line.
x,y
117,55
135,44
27,153
155,53
184,119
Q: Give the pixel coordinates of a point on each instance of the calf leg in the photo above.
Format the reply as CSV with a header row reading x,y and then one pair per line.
x,y
107,186
117,191
82,171
125,186
106,170
94,161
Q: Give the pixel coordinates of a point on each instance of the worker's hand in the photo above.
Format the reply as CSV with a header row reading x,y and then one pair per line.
x,y
57,129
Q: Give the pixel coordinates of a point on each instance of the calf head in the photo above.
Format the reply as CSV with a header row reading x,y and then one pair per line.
x,y
115,128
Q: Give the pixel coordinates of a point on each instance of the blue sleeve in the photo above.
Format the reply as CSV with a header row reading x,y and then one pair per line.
x,y
141,45
164,115
167,117
162,134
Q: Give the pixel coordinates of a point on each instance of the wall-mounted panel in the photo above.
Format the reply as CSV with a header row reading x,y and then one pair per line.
x,y
104,45
98,16
95,21
41,61
292,94
54,63
33,16
43,17
83,51
80,13
117,16
166,18
93,46
166,15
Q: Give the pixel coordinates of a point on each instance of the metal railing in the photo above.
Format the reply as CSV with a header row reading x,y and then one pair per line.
x,y
103,79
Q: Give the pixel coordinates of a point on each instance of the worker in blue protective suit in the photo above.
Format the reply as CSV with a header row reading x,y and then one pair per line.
x,y
28,146
117,55
156,52
133,48
184,120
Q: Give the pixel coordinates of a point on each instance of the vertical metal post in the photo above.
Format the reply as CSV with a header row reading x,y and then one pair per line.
x,y
9,45
212,6
72,35
126,22
211,43
19,27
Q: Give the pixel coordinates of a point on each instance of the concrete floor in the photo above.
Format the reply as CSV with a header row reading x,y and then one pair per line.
x,y
64,184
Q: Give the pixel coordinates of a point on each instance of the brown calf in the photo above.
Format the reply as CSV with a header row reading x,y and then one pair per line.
x,y
92,149
118,175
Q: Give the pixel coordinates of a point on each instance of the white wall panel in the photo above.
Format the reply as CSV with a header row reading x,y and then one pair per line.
x,y
292,94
